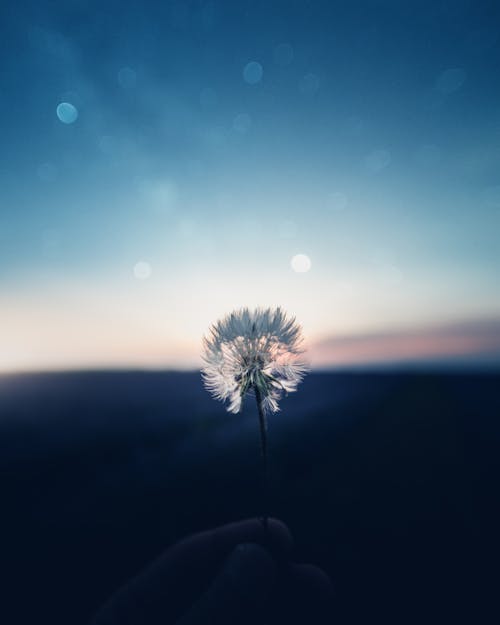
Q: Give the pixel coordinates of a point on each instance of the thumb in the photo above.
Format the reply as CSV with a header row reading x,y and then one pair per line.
x,y
240,590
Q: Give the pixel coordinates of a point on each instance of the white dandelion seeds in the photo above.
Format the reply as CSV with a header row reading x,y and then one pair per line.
x,y
254,351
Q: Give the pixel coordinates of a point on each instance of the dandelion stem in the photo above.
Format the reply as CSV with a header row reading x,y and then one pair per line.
x,y
263,447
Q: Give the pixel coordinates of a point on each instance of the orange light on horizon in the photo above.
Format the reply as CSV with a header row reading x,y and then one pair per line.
x,y
475,340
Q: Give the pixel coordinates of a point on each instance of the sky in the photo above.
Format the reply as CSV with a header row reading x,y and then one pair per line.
x,y
163,163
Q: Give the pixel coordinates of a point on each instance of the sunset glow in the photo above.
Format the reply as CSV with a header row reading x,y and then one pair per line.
x,y
344,174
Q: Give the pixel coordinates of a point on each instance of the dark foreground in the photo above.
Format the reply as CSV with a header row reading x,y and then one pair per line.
x,y
388,482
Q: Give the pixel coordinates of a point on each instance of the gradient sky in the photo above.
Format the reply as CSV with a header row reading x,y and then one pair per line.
x,y
213,142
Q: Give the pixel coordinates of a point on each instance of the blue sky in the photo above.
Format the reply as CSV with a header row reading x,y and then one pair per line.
x,y
215,141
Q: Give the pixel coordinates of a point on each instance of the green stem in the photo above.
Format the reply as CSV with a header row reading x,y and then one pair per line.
x,y
263,448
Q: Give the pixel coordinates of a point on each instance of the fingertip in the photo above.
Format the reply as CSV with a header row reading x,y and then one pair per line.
x,y
311,596
304,594
273,536
252,564
314,578
240,590
280,536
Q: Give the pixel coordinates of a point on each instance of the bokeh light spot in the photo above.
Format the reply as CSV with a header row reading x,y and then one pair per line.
x,y
300,263
253,72
67,112
142,270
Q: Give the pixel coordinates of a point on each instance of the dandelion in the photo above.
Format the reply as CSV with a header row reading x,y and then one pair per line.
x,y
258,352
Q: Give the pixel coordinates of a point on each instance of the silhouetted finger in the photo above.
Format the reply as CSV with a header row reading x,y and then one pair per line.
x,y
305,595
162,592
239,593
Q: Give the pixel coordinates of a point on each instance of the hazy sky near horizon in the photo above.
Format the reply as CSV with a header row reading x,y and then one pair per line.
x,y
163,162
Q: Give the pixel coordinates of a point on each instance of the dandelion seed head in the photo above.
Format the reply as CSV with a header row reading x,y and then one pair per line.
x,y
253,350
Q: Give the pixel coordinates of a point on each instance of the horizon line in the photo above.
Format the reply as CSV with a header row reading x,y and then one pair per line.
x,y
414,367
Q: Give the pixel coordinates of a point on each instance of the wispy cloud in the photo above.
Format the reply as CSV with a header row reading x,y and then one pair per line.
x,y
469,342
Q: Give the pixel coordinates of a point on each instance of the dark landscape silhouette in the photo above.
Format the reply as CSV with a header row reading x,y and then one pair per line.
x,y
388,482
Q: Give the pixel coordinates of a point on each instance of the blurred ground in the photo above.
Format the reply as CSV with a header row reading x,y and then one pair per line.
x,y
387,481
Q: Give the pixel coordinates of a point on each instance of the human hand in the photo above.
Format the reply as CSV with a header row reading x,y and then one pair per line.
x,y
236,574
